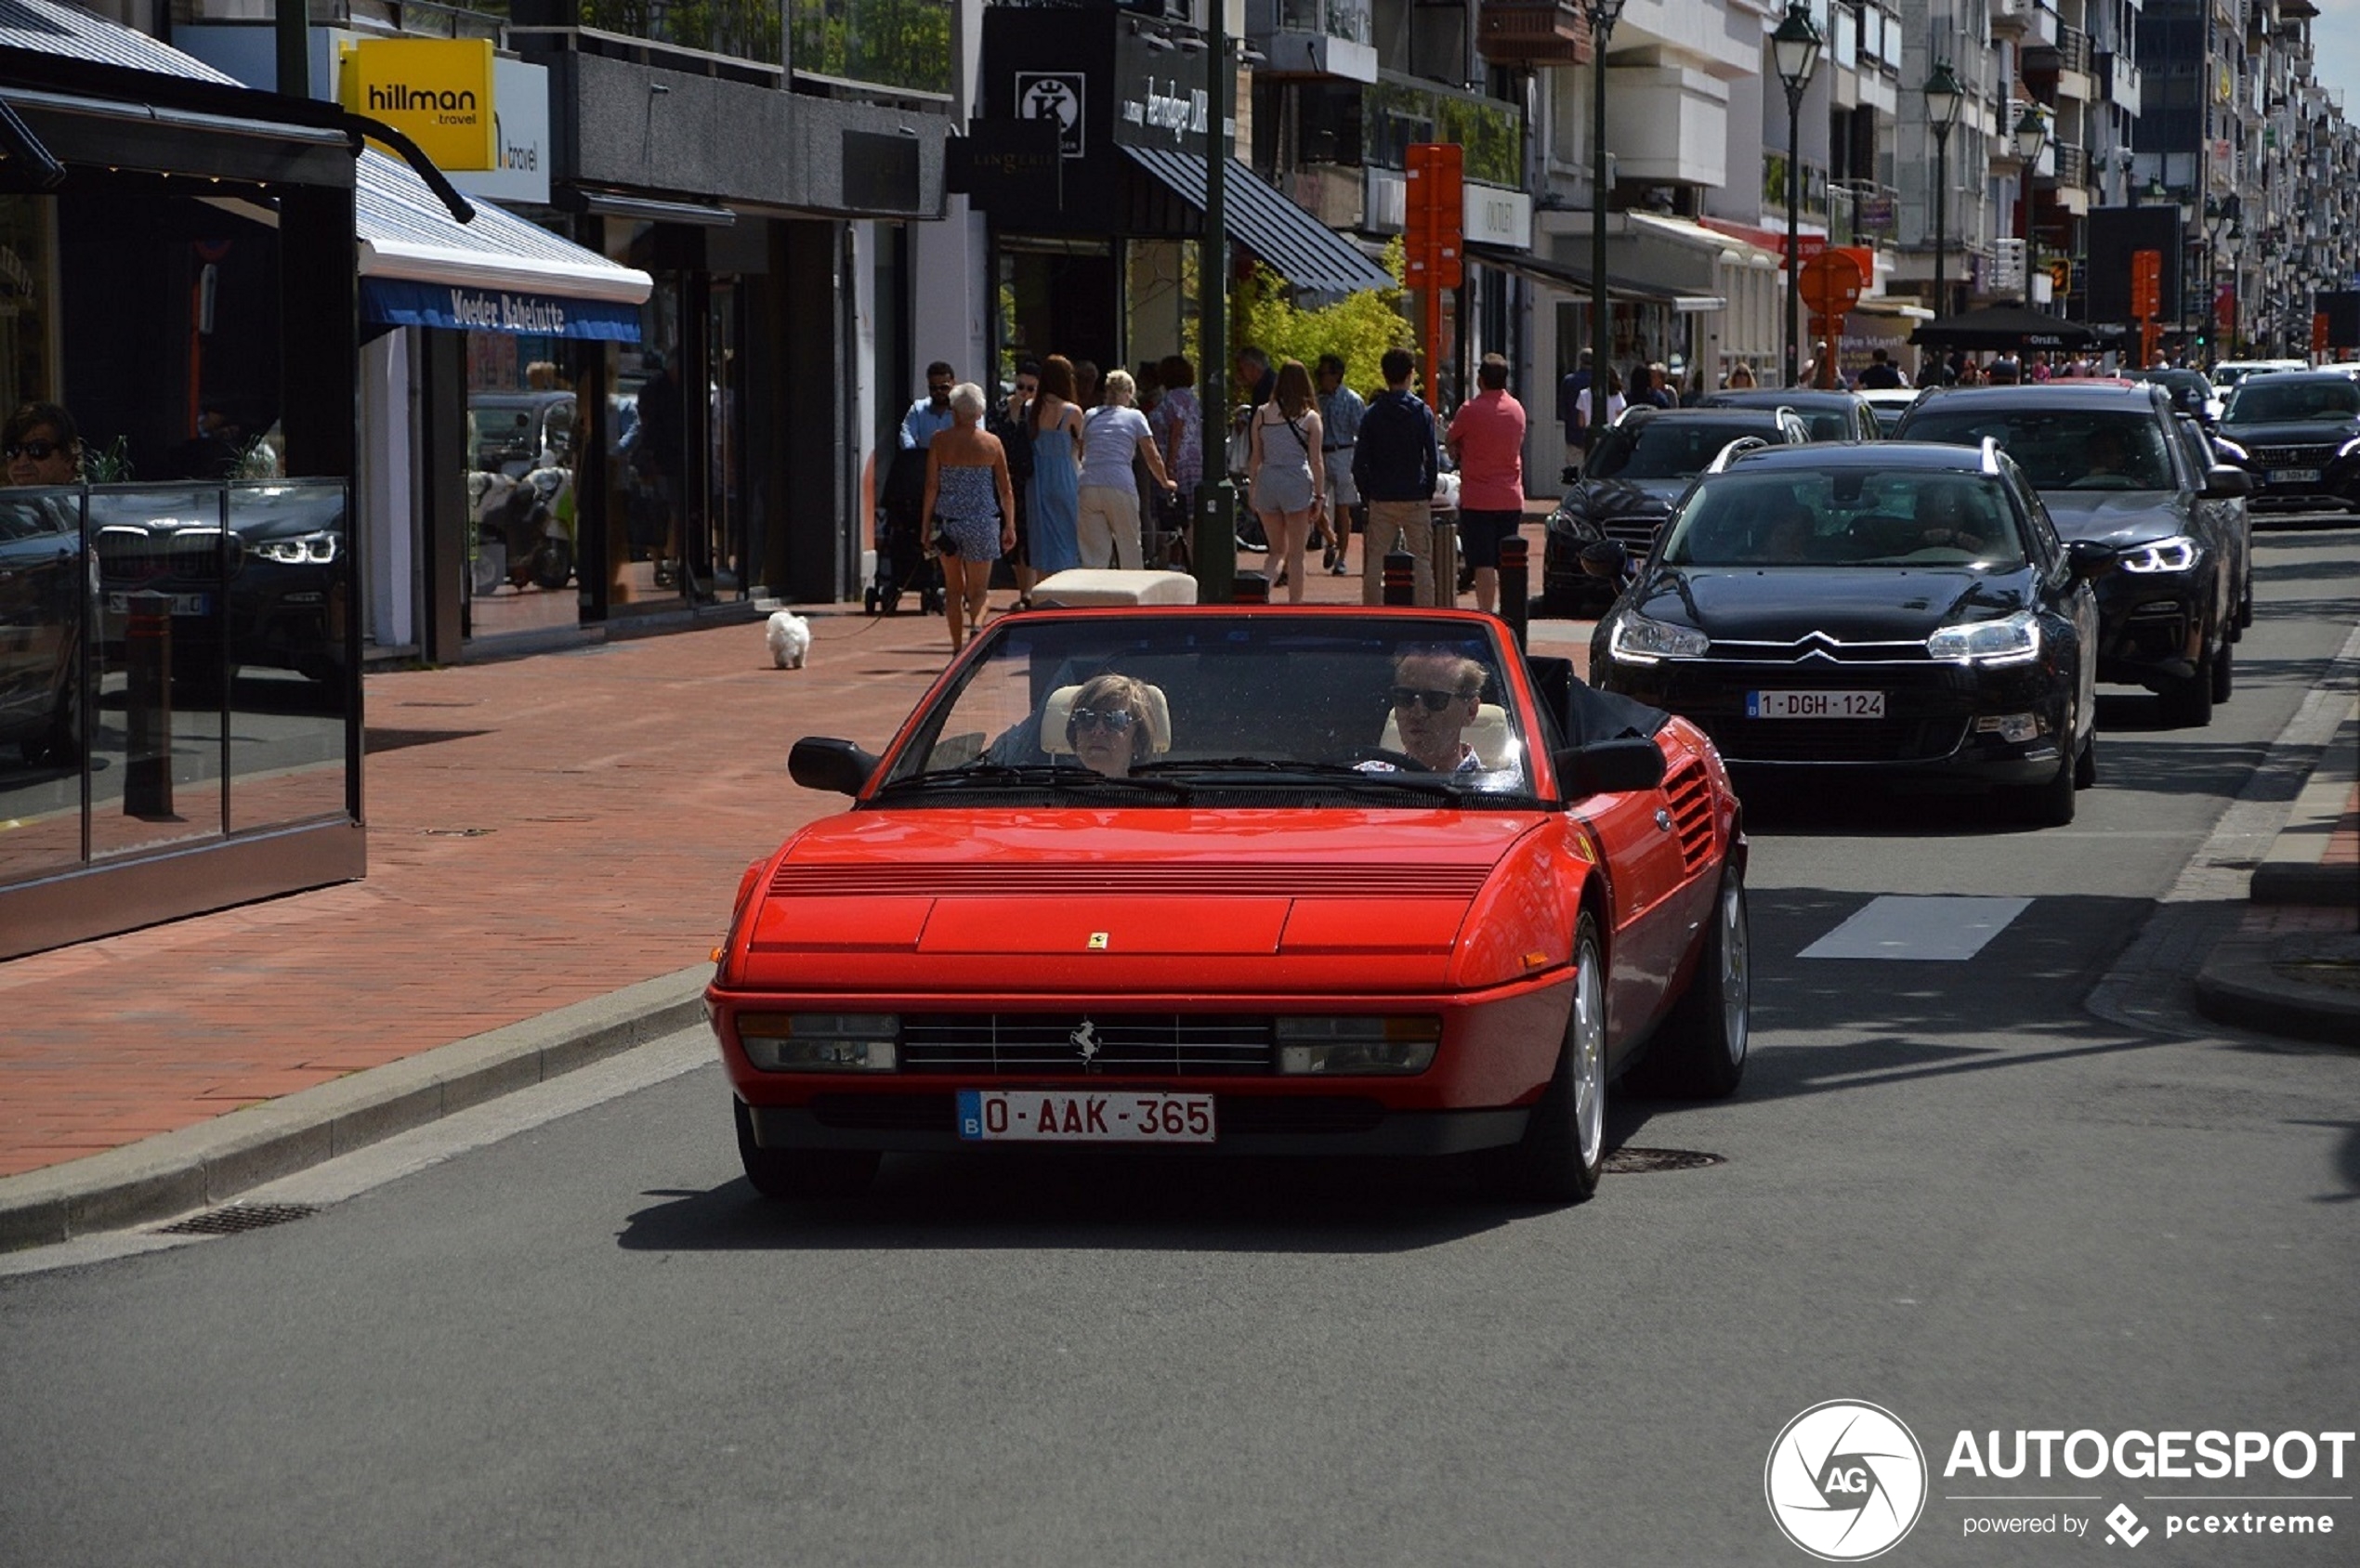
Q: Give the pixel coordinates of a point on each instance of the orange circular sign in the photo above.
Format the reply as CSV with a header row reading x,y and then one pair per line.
x,y
1830,282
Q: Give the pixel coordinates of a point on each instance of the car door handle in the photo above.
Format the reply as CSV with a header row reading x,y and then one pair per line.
x,y
1663,818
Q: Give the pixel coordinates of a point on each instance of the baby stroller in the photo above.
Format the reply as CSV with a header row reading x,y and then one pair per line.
x,y
903,560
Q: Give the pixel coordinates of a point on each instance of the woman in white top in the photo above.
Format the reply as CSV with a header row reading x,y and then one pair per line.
x,y
1114,435
1615,402
1285,478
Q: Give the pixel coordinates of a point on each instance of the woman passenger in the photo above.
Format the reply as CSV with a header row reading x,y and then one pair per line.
x,y
1107,724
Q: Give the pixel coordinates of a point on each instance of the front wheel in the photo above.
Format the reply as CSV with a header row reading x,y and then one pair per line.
x,y
2187,702
553,563
787,1175
1701,1053
1563,1149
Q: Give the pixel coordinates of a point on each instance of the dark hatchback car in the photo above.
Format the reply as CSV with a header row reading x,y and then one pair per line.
x,y
2301,433
2192,392
1900,608
1829,414
2113,465
1628,485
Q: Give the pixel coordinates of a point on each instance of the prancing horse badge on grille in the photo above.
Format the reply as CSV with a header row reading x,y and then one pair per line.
x,y
1085,1041
1098,941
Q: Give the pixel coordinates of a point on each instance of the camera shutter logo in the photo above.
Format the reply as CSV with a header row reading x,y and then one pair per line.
x,y
1846,1481
1054,95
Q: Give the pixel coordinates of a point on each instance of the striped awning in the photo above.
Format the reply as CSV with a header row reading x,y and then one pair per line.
x,y
1309,255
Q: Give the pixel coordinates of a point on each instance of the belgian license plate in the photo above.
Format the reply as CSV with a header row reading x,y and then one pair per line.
x,y
182,604
1815,705
1057,1115
2294,476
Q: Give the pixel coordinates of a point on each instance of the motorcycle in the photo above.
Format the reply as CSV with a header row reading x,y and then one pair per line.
x,y
524,528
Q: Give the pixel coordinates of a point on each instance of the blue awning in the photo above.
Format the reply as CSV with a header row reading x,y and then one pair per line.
x,y
1312,256
421,267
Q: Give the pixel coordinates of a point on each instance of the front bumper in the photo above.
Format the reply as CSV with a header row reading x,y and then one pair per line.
x,y
1325,1124
2152,626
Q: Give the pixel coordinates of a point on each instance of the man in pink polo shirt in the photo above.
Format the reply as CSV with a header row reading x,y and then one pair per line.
x,y
1487,441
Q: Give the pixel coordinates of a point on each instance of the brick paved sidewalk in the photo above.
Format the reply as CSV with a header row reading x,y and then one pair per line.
x,y
542,831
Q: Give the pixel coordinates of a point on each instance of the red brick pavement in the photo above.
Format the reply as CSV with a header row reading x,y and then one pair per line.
x,y
542,831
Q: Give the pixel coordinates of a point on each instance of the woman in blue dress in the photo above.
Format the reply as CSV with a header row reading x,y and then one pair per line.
x,y
1053,497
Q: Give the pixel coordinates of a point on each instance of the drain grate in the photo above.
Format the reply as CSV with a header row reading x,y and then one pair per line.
x,y
237,1217
457,832
1643,1162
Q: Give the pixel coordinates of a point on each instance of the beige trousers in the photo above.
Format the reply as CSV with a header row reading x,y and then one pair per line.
x,y
1413,523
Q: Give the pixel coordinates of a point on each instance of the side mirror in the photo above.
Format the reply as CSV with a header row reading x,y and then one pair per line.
x,y
1609,767
819,762
2085,559
1606,558
2223,482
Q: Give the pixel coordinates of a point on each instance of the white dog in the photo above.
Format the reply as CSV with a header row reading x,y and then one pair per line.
x,y
789,638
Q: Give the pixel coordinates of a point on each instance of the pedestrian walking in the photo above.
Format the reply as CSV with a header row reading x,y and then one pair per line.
x,y
970,509
1114,436
1881,373
1283,472
1178,423
1394,466
1341,410
1012,423
1056,429
1486,442
1616,402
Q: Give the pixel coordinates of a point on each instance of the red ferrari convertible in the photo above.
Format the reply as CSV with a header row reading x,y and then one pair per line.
x,y
1252,880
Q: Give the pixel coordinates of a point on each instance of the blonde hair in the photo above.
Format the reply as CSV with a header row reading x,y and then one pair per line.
x,y
1120,388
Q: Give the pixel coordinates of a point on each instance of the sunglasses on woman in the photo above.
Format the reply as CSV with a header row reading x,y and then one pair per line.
x,y
1116,720
40,451
1436,702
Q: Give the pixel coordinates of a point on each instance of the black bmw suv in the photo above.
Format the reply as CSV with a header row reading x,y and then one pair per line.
x,y
1642,464
2300,432
2114,465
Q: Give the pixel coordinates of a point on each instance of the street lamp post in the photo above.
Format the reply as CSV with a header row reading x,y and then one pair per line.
x,y
1602,15
1794,49
2032,139
1213,551
1944,99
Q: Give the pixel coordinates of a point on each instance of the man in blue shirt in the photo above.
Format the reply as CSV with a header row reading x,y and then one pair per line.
x,y
930,414
1394,465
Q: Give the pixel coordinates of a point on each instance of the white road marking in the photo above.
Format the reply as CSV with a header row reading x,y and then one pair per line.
x,y
1940,929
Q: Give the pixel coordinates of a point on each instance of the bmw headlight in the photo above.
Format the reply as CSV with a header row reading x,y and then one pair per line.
x,y
2176,553
314,549
819,1042
1345,1046
2011,639
2230,452
1636,639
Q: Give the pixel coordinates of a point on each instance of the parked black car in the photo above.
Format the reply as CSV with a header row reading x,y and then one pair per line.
x,y
1901,609
1829,415
1626,489
2192,392
2300,432
43,586
272,589
2112,466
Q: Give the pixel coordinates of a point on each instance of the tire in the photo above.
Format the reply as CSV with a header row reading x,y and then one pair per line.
x,y
2085,765
869,600
1563,1150
553,564
2224,674
2187,704
2049,804
789,1175
1700,1052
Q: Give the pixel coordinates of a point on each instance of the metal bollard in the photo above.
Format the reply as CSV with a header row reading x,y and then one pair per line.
x,y
147,652
1249,588
1446,558
1515,604
1400,578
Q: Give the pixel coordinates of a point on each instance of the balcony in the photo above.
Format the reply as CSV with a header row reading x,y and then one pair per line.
x,y
894,43
1774,186
1861,212
733,30
1314,38
2118,78
1397,111
1533,33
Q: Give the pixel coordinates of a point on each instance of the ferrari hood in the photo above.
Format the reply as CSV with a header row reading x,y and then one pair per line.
x,y
1850,604
949,899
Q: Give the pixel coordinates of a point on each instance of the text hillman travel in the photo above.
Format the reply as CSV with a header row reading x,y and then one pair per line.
x,y
404,99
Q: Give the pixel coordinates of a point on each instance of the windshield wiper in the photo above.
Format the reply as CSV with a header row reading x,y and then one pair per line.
x,y
1005,774
1265,770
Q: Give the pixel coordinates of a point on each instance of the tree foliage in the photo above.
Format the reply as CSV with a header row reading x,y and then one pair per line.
x,y
1357,328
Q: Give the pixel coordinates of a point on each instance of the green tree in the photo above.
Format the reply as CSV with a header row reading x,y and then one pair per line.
x,y
1357,328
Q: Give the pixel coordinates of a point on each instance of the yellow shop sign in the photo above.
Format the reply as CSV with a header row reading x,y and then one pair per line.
x,y
437,91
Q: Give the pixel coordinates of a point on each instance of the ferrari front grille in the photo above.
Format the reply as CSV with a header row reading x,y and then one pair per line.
x,y
1059,1045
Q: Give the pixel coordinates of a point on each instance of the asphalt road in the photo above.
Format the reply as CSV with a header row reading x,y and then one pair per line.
x,y
2023,1188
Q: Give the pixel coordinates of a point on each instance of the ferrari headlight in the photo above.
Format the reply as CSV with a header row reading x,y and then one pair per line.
x,y
2176,553
1636,639
819,1042
1344,1046
316,549
2011,639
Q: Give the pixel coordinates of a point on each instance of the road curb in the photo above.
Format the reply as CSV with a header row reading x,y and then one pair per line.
x,y
193,1167
2239,986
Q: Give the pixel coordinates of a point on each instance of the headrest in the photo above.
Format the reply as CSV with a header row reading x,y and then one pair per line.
x,y
1054,712
1487,734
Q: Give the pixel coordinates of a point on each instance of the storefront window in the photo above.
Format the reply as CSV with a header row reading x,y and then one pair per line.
x,y
901,44
28,308
739,29
522,549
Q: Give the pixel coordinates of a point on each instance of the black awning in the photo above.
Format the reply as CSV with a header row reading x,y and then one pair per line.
x,y
1571,280
2011,326
1312,256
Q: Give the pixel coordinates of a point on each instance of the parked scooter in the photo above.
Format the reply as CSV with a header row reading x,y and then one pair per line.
x,y
530,520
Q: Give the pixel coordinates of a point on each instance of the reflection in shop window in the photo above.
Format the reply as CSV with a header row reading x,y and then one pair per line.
x,y
901,44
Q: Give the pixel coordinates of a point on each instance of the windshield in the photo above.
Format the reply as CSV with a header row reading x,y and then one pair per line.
x,y
2059,448
1663,449
1179,710
2269,398
1849,518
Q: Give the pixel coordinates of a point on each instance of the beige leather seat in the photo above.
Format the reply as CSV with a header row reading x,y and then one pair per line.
x,y
1487,735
